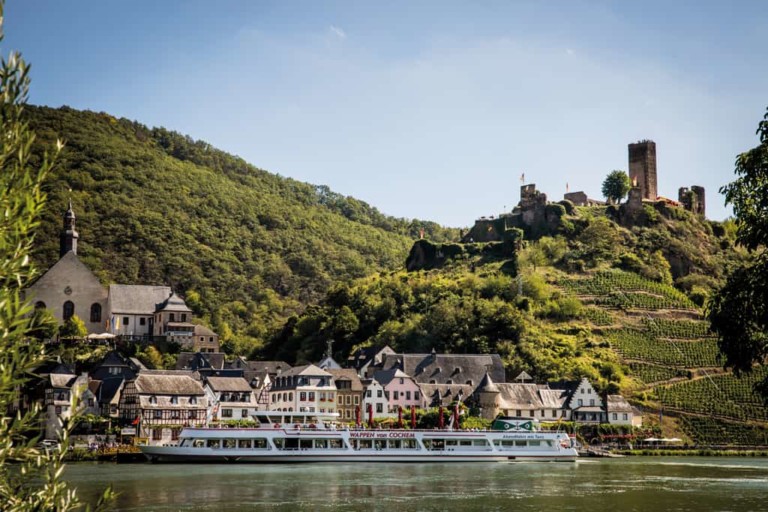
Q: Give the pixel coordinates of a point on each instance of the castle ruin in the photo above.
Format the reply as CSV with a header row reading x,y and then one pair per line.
x,y
642,168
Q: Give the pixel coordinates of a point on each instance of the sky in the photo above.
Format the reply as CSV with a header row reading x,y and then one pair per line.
x,y
429,110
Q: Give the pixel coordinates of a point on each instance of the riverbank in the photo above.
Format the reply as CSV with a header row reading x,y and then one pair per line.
x,y
703,452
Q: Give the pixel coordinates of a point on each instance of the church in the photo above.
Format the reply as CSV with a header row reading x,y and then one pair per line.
x,y
138,312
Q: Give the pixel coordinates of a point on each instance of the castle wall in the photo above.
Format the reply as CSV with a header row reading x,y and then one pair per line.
x,y
577,198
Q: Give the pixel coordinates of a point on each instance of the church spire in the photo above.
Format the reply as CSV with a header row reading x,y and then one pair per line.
x,y
69,235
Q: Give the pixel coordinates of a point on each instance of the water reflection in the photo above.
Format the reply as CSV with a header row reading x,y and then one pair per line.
x,y
588,485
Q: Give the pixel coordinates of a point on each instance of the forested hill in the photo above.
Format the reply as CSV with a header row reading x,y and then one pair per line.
x,y
247,247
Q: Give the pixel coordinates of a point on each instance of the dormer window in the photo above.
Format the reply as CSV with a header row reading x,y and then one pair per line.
x,y
193,400
153,400
433,381
449,381
469,383
174,400
457,370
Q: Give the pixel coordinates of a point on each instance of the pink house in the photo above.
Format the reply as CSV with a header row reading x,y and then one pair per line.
x,y
399,389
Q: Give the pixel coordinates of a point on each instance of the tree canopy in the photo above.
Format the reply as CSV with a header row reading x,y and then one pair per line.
x,y
616,186
738,312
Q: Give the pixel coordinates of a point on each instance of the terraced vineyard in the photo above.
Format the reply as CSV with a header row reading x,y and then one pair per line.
x,y
711,431
644,346
719,395
667,346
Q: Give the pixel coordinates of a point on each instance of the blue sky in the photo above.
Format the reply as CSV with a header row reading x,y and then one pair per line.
x,y
430,110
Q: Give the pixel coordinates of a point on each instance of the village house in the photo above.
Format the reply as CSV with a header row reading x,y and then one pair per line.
x,y
161,403
374,399
583,404
349,394
400,390
619,412
368,359
261,376
66,394
303,389
229,398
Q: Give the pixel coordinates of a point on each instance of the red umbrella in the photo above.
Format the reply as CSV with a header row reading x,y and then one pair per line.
x,y
456,417
413,416
440,420
370,415
399,416
357,415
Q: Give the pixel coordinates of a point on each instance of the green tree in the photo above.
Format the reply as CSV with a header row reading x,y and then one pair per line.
x,y
738,312
73,328
616,186
43,325
35,481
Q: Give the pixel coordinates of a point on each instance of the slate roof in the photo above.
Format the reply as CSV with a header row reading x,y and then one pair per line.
x,y
136,299
517,395
347,374
238,384
108,389
198,360
444,394
271,367
386,376
173,303
113,359
61,380
487,384
307,369
201,330
458,368
617,403
152,383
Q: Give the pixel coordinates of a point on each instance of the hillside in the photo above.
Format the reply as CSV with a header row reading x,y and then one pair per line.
x,y
247,248
594,299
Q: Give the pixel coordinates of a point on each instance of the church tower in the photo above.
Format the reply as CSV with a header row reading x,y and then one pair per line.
x,y
68,235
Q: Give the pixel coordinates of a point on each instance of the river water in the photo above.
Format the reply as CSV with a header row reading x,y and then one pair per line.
x,y
656,484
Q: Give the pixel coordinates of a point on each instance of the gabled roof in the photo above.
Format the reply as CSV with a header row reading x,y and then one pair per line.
x,y
108,389
151,383
347,374
308,369
61,380
201,330
136,299
198,361
386,376
238,384
63,268
271,367
515,395
617,403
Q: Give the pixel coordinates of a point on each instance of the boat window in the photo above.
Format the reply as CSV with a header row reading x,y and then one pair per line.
x,y
520,444
198,443
321,443
279,443
549,442
305,444
260,443
480,442
230,443
534,443
394,444
213,443
410,444
243,443
465,442
450,442
335,444
364,444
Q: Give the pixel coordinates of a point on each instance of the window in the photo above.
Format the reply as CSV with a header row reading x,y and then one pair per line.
x,y
626,417
368,394
192,415
175,415
349,400
582,391
226,413
175,400
449,381
615,416
172,318
311,396
183,317
379,408
519,413
554,413
193,400
402,381
153,400
415,395
397,395
142,321
58,410
210,339
303,396
379,393
357,400
581,402
90,402
126,320
158,415
69,310
40,305
95,312
157,434
243,413
591,401
175,434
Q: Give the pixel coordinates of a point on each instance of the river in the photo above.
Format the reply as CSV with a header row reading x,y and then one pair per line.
x,y
658,484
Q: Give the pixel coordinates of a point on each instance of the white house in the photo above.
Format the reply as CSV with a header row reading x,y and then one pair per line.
x,y
229,398
303,389
374,397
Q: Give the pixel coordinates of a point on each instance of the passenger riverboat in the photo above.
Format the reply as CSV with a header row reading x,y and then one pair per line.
x,y
304,437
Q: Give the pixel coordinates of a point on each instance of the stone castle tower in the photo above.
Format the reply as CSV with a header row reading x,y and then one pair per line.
x,y
69,236
642,168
